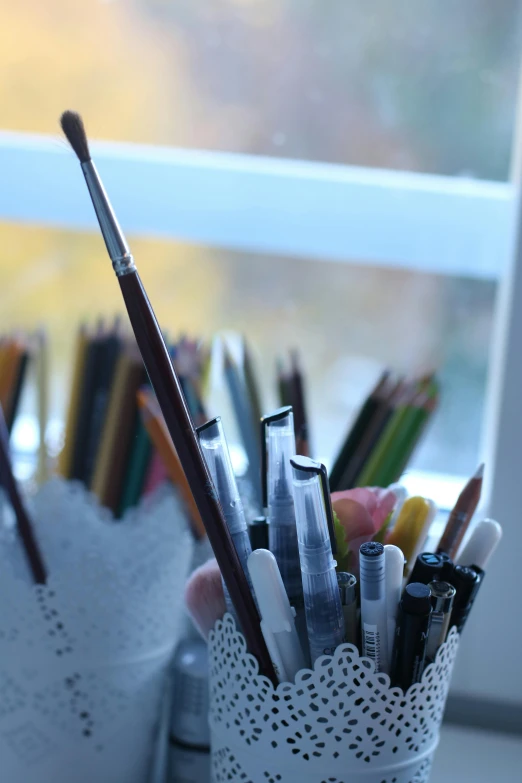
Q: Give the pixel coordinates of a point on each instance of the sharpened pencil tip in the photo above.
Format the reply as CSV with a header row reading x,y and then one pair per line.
x,y
480,471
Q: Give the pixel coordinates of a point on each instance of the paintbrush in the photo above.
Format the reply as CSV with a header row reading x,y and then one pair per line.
x,y
163,378
25,528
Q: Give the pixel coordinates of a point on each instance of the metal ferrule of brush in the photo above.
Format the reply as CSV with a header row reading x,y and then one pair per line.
x,y
117,247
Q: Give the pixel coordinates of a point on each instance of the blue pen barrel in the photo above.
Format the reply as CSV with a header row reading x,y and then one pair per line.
x,y
323,609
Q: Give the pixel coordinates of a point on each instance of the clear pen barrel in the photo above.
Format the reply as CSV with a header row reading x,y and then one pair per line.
x,y
214,446
282,531
215,449
324,614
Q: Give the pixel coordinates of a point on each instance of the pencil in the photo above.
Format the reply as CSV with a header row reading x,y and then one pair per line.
x,y
461,515
356,432
159,435
42,384
139,460
66,454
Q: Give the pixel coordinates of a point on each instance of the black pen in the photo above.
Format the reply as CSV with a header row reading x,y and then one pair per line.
x,y
413,624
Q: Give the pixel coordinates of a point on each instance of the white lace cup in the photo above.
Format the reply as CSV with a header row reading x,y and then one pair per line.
x,y
83,660
340,723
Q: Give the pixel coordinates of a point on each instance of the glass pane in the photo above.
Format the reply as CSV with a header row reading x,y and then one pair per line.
x,y
426,86
348,320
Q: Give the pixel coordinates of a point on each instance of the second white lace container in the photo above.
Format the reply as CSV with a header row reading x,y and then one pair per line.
x,y
84,659
340,723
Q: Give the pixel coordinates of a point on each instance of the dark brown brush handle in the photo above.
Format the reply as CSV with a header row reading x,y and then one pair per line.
x,y
7,480
179,423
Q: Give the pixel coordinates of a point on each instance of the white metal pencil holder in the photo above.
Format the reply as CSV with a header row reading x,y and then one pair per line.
x,y
84,659
340,723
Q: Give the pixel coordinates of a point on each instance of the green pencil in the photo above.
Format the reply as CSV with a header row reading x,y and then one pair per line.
x,y
139,459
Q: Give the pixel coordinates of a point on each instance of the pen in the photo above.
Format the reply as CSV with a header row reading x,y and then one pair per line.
x,y
245,420
348,592
393,578
481,544
314,518
215,450
442,596
374,620
410,530
278,446
277,617
466,581
427,568
461,515
258,533
412,634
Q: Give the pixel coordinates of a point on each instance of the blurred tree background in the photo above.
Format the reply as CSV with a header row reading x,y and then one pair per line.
x,y
429,86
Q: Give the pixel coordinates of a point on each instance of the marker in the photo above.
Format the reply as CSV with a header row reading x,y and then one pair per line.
x,y
374,620
427,568
277,617
278,444
482,542
442,596
412,634
466,582
215,449
314,517
258,533
348,592
394,574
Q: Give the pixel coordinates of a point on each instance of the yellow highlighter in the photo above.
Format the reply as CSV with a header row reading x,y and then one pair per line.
x,y
411,529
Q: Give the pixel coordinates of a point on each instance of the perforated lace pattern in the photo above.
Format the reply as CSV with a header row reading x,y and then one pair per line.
x,y
340,723
84,658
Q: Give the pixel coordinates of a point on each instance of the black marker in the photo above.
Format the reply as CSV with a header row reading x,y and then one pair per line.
x,y
466,582
427,568
413,625
258,533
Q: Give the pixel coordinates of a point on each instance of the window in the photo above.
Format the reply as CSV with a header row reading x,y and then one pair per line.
x,y
386,88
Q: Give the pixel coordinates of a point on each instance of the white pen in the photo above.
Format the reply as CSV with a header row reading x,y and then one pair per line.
x,y
277,616
374,620
393,579
480,544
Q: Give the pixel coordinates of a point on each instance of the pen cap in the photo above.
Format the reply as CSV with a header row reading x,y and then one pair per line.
x,y
427,567
258,532
347,587
272,599
463,580
416,599
313,533
214,446
481,544
447,568
442,595
372,570
278,441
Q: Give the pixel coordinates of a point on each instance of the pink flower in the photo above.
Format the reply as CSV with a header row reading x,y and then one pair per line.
x,y
362,512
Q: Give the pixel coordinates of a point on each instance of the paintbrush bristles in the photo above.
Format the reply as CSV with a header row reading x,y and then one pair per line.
x,y
73,127
204,597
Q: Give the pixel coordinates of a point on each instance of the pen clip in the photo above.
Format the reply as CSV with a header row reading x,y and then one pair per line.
x,y
276,415
325,486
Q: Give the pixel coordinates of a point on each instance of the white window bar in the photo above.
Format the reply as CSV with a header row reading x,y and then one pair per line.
x,y
423,222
